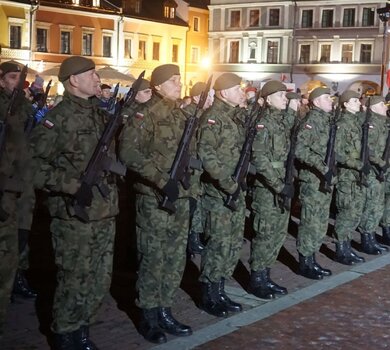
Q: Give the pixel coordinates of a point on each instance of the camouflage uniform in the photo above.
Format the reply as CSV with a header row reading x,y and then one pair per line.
x,y
385,221
221,137
63,145
14,176
270,151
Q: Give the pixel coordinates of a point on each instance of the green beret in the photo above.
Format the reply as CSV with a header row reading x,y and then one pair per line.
x,y
293,96
73,66
317,92
163,73
373,100
271,87
8,67
227,81
145,84
347,95
197,89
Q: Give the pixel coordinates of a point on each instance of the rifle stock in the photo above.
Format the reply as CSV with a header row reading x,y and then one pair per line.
x,y
365,152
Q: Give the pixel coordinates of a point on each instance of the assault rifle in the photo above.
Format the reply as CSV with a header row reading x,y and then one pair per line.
x,y
244,166
330,157
42,101
183,162
365,151
100,162
112,100
385,157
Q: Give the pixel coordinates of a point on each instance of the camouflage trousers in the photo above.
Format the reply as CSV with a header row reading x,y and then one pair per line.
x,y
197,216
8,254
270,225
83,255
314,217
223,247
350,199
161,243
385,222
374,203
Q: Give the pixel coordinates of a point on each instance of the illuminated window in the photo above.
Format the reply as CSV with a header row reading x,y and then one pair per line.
x,y
254,18
235,18
142,50
156,51
272,51
175,53
346,53
87,44
365,53
304,56
196,24
234,51
106,46
65,42
325,54
41,40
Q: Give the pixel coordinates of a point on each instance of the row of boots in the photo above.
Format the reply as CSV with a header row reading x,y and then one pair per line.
x,y
76,340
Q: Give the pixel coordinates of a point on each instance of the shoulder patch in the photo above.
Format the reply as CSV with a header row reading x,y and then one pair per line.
x,y
260,126
139,115
308,126
48,124
371,126
211,121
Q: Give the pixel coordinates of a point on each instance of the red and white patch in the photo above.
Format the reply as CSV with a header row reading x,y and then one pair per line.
x,y
211,121
308,127
48,124
139,115
371,126
260,126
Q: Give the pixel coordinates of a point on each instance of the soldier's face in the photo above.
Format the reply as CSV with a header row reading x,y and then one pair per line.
x,y
353,105
294,104
10,81
379,108
86,84
210,99
324,102
171,88
106,93
278,100
143,95
235,95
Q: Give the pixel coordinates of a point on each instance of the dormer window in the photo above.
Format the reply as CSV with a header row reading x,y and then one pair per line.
x,y
169,9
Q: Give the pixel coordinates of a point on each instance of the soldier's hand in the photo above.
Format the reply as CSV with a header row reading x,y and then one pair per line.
x,y
171,190
366,169
288,191
84,195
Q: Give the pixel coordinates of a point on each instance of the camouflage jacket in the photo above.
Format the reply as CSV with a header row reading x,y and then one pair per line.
x,y
149,142
63,145
221,137
271,147
348,144
377,136
311,146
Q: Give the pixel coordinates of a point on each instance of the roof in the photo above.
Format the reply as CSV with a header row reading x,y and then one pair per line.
x,y
199,3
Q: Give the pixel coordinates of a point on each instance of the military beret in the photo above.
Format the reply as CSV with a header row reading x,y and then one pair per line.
x,y
8,67
105,86
227,81
73,66
197,89
145,84
347,95
317,92
293,96
163,73
373,100
271,87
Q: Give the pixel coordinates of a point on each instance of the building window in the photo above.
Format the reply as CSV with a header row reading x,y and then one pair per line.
x,y
156,51
365,53
307,19
15,37
142,49
87,44
106,46
194,54
234,48
88,3
196,24
346,53
254,18
272,51
349,18
252,50
304,56
127,48
368,17
235,18
274,17
175,53
327,19
169,12
65,43
41,40
325,53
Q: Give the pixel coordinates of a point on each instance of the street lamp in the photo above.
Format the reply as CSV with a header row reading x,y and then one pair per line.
x,y
384,16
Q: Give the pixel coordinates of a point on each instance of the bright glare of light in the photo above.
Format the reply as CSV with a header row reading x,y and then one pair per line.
x,y
205,63
339,77
60,88
40,67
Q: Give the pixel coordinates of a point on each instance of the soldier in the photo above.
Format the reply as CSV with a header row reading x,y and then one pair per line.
x,y
311,151
375,197
148,147
270,151
63,145
14,174
106,97
221,136
350,190
385,221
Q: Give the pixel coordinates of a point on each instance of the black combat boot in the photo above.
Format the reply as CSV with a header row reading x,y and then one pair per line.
x,y
211,302
343,255
258,285
65,341
82,339
149,328
273,286
368,244
320,269
378,245
230,305
386,235
307,269
194,245
169,324
22,287
353,255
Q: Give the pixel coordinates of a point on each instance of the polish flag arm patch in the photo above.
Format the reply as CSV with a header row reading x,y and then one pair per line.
x,y
139,115
371,126
211,121
308,126
48,124
260,126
